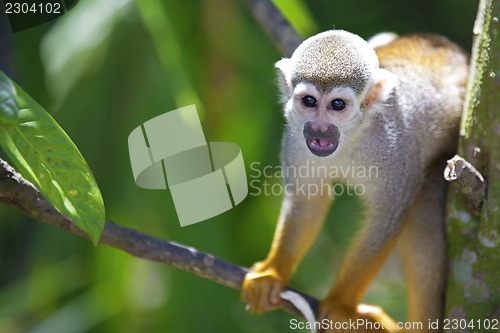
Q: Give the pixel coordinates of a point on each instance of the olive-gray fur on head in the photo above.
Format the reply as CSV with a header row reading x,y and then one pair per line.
x,y
331,58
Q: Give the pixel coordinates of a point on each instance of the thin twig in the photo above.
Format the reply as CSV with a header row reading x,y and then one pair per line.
x,y
467,180
17,192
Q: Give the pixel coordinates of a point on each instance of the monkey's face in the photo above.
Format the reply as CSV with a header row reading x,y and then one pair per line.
x,y
325,117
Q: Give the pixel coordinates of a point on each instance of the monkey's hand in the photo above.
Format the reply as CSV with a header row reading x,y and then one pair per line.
x,y
261,288
363,318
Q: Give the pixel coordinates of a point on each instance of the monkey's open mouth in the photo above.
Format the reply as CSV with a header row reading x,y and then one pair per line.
x,y
321,147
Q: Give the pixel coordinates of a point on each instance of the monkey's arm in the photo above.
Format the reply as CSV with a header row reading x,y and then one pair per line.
x,y
300,221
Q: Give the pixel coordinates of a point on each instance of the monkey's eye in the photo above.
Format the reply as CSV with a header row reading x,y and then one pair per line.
x,y
337,104
309,101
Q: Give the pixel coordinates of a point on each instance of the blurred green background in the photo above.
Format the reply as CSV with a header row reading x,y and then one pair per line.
x,y
109,65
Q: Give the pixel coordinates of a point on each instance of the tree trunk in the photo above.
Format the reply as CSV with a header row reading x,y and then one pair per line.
x,y
473,295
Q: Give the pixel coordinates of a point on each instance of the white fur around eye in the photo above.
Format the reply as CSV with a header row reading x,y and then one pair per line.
x,y
303,89
344,93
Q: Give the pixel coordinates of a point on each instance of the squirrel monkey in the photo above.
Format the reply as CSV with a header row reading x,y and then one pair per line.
x,y
397,108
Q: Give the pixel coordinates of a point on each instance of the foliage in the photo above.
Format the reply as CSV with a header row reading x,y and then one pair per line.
x,y
9,109
46,156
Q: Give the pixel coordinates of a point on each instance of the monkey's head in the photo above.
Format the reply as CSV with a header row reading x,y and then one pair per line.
x,y
330,82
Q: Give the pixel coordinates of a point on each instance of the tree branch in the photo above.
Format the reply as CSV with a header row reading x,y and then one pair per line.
x,y
17,192
275,25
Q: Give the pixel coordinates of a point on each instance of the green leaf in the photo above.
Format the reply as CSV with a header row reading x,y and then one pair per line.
x,y
46,156
8,105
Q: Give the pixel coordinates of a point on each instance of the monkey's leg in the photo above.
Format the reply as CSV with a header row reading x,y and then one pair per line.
x,y
300,221
423,250
363,261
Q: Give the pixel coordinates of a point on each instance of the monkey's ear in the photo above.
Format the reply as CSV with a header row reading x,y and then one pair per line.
x,y
284,67
382,89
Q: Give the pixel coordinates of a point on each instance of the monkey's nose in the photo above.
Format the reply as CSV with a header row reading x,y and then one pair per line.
x,y
320,127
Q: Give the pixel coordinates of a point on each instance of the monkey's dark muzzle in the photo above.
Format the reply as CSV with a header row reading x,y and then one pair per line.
x,y
321,143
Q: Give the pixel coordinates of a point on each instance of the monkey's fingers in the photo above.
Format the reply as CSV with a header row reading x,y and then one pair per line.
x,y
261,291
